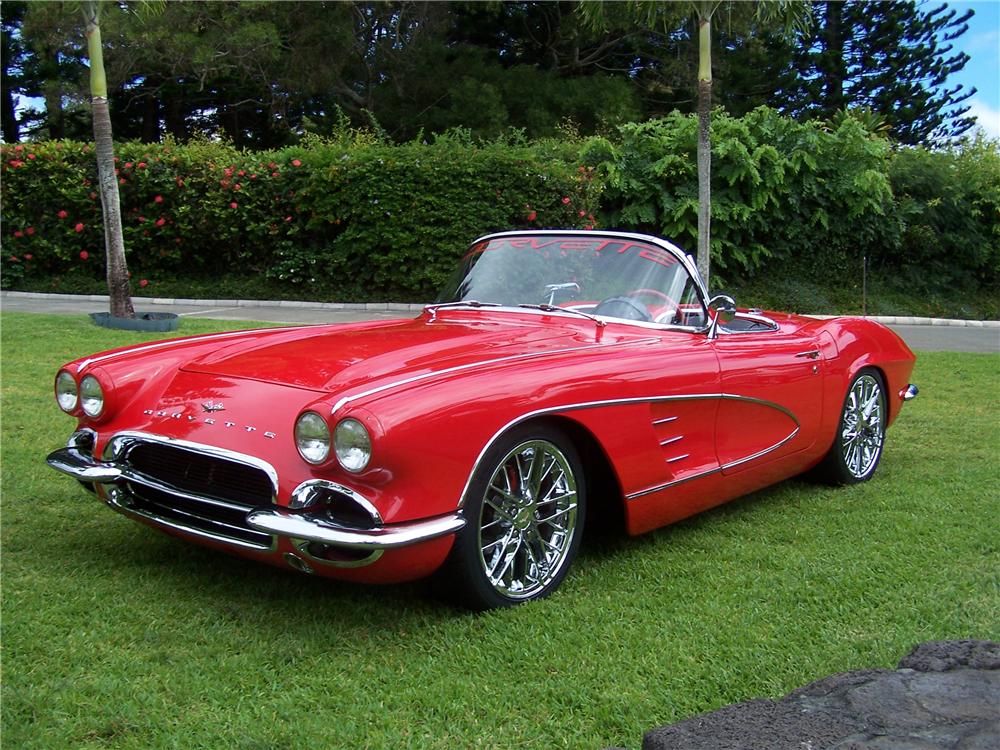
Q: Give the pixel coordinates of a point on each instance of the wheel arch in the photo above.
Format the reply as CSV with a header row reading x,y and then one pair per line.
x,y
605,498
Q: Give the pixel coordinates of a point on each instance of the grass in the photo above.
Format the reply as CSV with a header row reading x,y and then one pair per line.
x,y
115,636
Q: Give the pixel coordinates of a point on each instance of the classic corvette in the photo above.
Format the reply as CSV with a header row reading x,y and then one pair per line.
x,y
560,373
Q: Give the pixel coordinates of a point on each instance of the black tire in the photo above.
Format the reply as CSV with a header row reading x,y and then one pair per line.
x,y
524,521
857,446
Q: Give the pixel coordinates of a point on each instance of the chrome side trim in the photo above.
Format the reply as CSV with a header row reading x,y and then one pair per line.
x,y
280,522
119,446
681,457
668,441
665,420
343,401
910,392
625,401
709,472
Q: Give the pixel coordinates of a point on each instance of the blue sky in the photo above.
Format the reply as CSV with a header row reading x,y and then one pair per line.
x,y
982,43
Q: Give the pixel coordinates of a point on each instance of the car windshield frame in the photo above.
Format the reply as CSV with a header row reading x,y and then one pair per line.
x,y
646,254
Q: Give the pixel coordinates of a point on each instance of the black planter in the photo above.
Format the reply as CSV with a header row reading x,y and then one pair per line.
x,y
141,321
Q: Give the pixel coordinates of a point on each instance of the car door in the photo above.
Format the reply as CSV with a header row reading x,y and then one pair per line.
x,y
771,400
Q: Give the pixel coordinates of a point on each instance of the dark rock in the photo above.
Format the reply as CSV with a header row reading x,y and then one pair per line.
x,y
943,656
945,695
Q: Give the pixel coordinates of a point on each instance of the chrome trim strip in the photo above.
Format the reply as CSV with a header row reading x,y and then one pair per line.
x,y
75,463
625,401
344,400
668,441
681,457
302,545
119,446
665,420
280,522
709,472
301,497
910,392
134,477
756,318
113,500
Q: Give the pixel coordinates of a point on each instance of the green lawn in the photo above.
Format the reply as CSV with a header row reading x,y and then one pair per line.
x,y
115,636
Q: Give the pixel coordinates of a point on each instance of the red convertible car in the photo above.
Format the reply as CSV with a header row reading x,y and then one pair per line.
x,y
560,373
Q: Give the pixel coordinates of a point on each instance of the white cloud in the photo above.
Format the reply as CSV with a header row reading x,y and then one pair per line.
x,y
986,117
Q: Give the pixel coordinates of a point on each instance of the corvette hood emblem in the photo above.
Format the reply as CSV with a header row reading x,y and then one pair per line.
x,y
211,406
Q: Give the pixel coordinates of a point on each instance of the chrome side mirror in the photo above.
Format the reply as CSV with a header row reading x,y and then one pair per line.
x,y
724,308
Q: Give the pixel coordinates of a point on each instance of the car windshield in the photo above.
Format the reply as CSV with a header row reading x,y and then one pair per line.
x,y
611,277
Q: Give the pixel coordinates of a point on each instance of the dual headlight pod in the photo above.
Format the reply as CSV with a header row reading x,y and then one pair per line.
x,y
351,442
89,394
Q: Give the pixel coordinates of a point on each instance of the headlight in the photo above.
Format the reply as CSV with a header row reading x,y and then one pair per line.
x,y
312,437
91,396
66,393
352,444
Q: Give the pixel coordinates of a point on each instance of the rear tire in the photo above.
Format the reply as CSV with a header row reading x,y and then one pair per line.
x,y
857,447
524,515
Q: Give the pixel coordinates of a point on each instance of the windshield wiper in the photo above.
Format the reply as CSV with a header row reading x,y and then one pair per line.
x,y
552,308
432,309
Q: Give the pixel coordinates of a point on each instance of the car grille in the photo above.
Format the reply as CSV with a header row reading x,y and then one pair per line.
x,y
206,494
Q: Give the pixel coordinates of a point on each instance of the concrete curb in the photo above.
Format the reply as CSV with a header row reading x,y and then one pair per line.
x,y
417,306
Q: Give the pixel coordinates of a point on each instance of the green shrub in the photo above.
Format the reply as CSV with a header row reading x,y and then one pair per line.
x,y
349,218
781,190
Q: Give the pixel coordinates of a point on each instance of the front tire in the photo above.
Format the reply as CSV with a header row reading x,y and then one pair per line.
x,y
857,447
525,511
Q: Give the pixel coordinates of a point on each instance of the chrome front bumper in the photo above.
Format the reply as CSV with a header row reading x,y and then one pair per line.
x,y
274,520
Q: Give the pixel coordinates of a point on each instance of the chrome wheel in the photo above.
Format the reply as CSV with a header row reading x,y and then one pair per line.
x,y
862,428
528,520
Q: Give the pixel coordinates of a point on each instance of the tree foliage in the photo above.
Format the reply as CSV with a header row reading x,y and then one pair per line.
x,y
264,73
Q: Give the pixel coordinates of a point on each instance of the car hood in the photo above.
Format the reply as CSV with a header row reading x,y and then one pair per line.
x,y
332,358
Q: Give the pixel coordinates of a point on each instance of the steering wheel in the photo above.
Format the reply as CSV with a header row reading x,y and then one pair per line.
x,y
623,307
668,304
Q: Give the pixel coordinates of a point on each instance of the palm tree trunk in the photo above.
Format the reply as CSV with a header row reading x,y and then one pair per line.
x,y
704,144
119,288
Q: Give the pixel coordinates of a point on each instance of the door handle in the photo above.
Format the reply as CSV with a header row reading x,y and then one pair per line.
x,y
811,354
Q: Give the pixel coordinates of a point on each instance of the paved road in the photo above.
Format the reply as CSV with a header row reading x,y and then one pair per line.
x,y
954,338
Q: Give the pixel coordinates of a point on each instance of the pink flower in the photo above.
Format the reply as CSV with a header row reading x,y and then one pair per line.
x,y
15,163
274,174
234,204
241,172
79,227
29,231
128,165
29,256
272,165
142,219
228,171
13,258
141,165
62,214
253,176
159,199
581,214
237,186
18,233
31,156
288,218
565,201
224,183
532,216
296,163
84,255
121,180
143,282
588,226
93,196
161,221
19,148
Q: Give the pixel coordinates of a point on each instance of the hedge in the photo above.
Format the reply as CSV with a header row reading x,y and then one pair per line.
x,y
356,218
340,220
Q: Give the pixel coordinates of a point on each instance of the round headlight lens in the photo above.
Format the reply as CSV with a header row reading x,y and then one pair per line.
x,y
66,393
312,437
353,445
91,396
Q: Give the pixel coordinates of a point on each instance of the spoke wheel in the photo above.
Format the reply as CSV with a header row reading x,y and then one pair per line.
x,y
857,447
525,512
